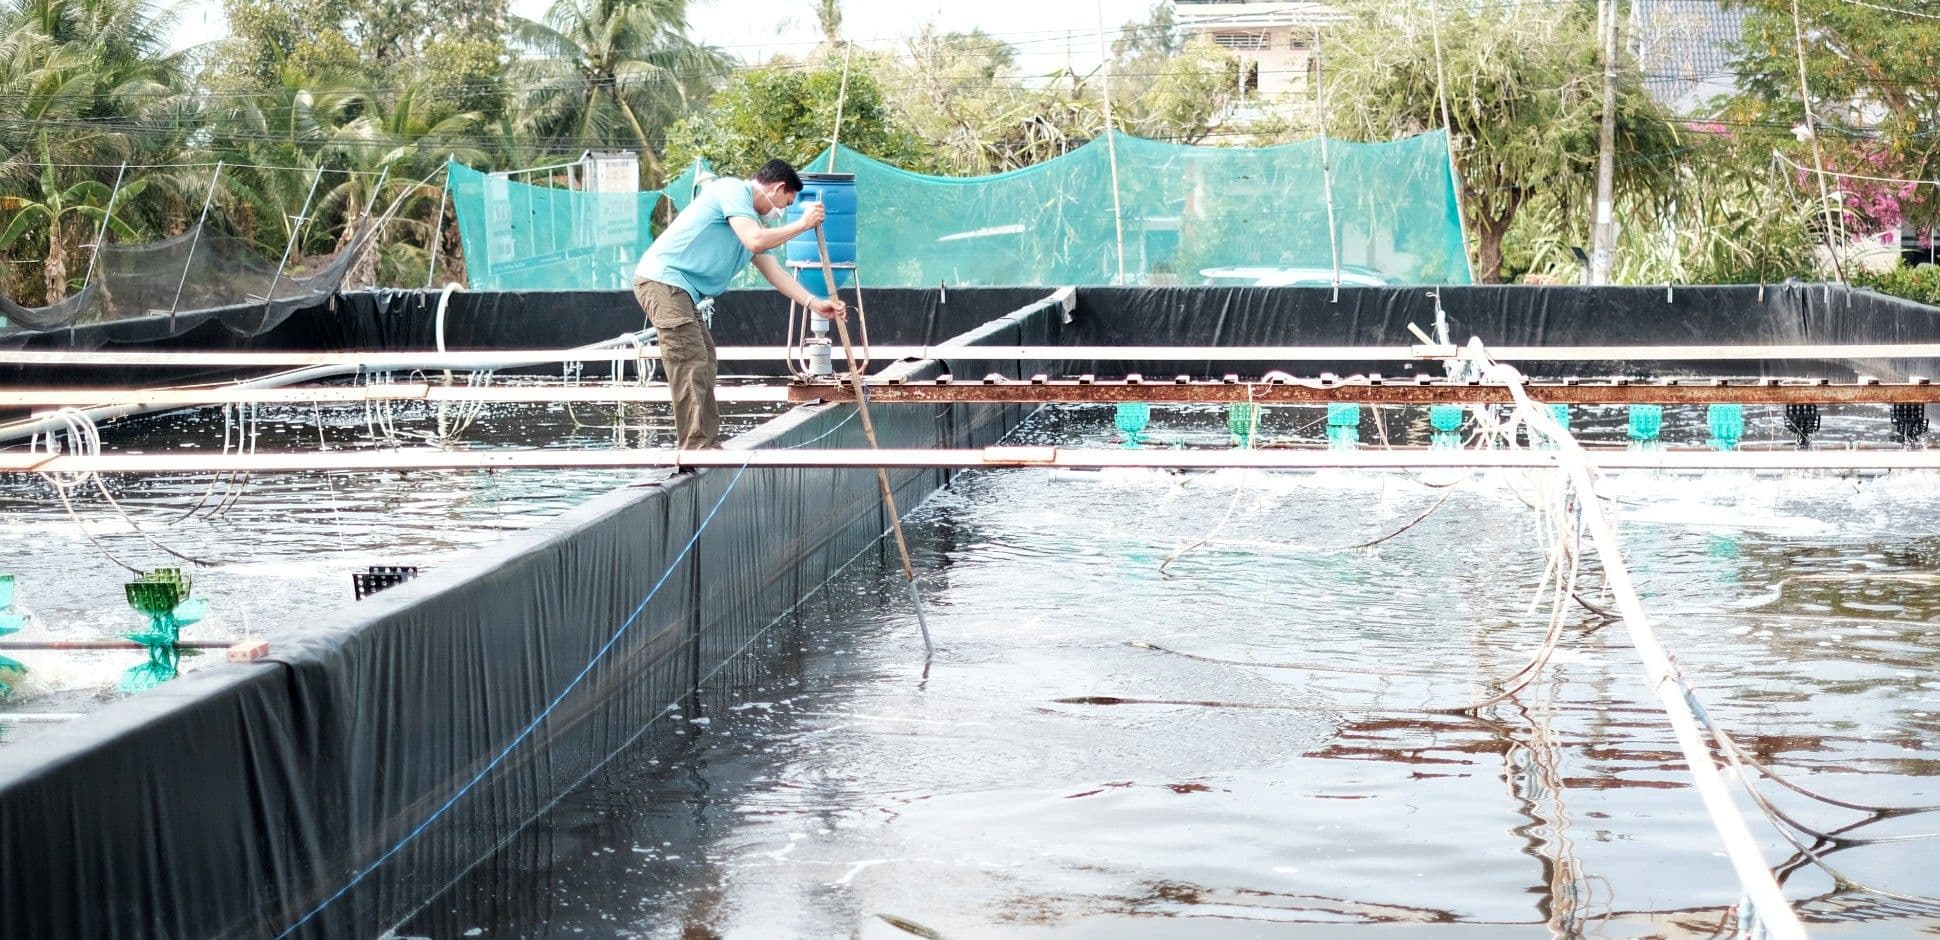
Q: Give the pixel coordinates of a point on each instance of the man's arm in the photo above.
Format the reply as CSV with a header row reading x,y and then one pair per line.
x,y
793,289
757,239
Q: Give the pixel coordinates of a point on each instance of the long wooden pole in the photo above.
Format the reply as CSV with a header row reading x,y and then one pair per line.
x,y
869,431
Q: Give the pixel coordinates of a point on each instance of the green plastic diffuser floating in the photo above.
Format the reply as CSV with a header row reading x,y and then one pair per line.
x,y
1131,419
1727,425
1241,419
1447,423
1343,426
1646,426
11,620
162,595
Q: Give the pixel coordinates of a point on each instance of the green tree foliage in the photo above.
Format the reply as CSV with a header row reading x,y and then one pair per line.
x,y
1158,36
956,93
1181,96
378,41
612,73
1875,103
54,210
343,94
1919,282
788,112
84,86
270,37
1525,101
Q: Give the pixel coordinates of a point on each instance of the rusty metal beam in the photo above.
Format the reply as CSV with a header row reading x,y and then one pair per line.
x,y
1423,391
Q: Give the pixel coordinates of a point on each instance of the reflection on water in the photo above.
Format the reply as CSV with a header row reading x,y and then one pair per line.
x,y
1247,745
275,549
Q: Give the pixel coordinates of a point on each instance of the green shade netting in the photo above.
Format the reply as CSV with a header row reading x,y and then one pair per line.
x,y
523,237
1183,215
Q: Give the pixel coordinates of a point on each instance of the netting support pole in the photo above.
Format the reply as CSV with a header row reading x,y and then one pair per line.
x,y
194,240
1448,133
370,205
101,233
438,228
1812,137
1111,148
841,98
296,229
1326,166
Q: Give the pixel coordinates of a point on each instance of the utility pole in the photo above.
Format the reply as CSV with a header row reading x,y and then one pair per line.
x,y
1603,233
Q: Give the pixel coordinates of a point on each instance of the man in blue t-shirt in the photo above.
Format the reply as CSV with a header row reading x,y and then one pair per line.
x,y
708,243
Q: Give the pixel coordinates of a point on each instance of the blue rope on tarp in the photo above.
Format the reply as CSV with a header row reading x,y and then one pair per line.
x,y
550,706
526,732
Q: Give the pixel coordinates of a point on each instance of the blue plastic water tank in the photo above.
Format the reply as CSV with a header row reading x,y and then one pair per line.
x,y
836,192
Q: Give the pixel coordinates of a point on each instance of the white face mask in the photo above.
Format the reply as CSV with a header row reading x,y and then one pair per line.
x,y
775,214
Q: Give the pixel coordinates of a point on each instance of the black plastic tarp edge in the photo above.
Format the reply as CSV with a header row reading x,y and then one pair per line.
x,y
376,755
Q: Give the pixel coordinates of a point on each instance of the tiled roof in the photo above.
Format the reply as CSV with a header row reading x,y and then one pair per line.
x,y
1685,48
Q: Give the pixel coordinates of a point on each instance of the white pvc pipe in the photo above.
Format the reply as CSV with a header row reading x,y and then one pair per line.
x,y
99,415
1773,912
1269,354
985,458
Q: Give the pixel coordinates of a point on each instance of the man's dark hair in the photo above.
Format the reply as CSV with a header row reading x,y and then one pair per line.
x,y
778,171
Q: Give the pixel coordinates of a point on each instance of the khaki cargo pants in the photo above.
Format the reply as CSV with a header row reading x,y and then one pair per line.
x,y
687,355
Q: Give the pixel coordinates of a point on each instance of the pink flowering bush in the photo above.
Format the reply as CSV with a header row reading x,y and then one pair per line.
x,y
1878,204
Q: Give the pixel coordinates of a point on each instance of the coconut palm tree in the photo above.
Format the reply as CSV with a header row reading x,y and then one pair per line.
x,y
611,73
273,146
55,209
401,140
88,87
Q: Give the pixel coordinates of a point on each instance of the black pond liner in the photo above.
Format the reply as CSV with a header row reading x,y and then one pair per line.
x,y
352,774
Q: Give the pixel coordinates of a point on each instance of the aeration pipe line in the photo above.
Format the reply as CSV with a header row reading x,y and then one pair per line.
x,y
1772,912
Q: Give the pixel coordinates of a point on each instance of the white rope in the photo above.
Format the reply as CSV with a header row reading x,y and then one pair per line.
x,y
82,438
1239,490
1833,230
1802,168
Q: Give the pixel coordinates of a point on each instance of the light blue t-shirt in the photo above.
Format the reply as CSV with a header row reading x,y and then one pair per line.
x,y
699,252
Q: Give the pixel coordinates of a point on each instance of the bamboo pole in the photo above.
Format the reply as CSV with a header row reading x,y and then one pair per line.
x,y
296,230
194,241
101,233
869,431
